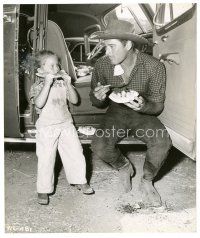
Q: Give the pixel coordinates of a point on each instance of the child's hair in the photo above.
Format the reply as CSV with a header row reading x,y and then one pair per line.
x,y
41,55
34,62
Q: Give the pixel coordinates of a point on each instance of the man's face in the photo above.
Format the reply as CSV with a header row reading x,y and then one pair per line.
x,y
115,50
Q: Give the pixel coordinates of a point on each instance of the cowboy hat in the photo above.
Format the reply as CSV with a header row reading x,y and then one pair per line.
x,y
119,29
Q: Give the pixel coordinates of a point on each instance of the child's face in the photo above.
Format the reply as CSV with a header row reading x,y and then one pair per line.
x,y
50,65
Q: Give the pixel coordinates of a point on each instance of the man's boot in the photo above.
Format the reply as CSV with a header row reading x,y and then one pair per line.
x,y
150,195
125,174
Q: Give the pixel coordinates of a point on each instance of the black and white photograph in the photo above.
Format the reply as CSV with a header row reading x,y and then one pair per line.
x,y
99,117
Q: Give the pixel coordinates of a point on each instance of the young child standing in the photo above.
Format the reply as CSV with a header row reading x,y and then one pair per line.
x,y
55,129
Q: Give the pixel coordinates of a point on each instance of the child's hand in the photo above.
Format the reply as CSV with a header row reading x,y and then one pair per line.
x,y
49,79
65,76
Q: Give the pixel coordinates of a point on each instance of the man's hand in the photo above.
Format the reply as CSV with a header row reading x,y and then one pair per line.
x,y
100,91
137,104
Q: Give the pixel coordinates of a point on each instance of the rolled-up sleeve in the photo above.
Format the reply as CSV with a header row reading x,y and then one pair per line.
x,y
34,91
97,76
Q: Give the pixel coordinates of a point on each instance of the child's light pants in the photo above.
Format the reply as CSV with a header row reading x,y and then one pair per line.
x,y
63,137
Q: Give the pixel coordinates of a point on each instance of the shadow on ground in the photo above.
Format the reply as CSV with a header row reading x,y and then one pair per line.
x,y
106,211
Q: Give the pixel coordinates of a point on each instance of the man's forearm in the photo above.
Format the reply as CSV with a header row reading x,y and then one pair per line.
x,y
152,108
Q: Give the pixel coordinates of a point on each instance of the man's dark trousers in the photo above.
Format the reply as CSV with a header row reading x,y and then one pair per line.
x,y
121,121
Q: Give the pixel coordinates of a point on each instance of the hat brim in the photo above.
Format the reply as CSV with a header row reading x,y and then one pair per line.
x,y
124,36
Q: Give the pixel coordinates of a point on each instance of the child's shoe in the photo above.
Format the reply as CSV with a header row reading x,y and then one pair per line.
x,y
85,188
43,198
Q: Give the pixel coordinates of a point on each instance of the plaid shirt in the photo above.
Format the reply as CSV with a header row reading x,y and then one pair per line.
x,y
148,78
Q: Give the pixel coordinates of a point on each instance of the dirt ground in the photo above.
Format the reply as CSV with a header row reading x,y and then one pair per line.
x,y
70,211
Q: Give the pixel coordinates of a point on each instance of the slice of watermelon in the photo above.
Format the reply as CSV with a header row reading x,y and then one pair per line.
x,y
57,75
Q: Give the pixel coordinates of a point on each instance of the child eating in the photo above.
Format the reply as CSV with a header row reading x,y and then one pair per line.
x,y
55,129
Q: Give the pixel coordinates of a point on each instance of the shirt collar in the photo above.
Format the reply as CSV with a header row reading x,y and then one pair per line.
x,y
139,58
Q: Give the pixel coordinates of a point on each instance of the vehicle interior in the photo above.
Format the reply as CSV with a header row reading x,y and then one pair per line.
x,y
72,40
66,29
